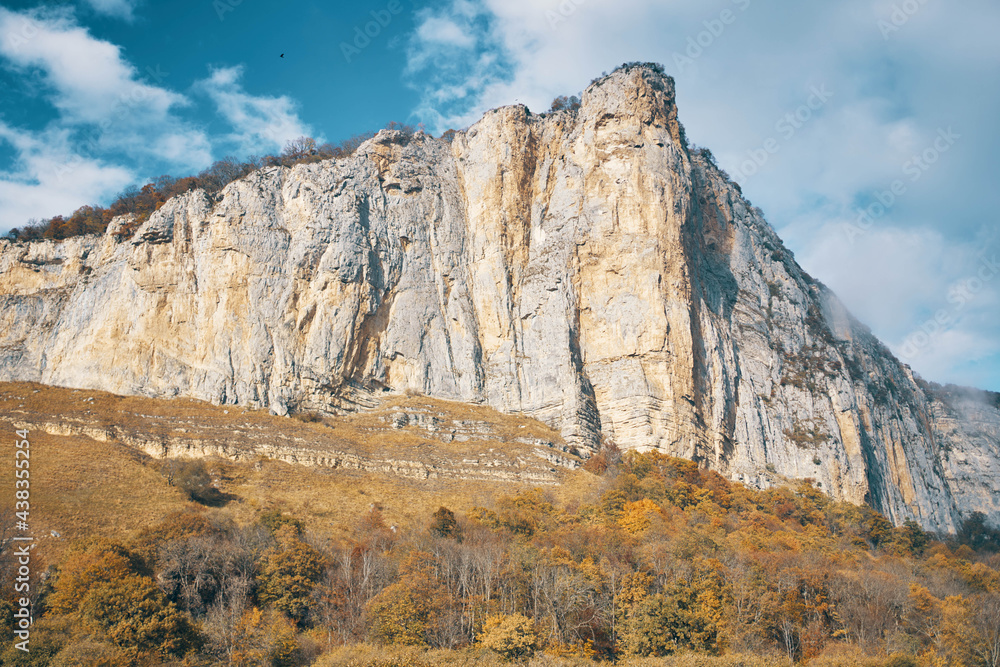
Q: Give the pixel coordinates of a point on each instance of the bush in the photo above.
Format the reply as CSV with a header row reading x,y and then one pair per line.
x,y
192,478
444,524
656,67
565,103
48,637
511,636
85,566
609,456
274,520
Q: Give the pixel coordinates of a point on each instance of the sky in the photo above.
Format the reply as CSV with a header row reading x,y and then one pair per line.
x,y
865,129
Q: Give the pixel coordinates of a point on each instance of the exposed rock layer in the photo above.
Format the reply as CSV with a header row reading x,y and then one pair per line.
x,y
584,268
412,437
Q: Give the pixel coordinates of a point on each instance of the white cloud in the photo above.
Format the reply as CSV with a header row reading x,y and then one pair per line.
x,y
91,81
890,99
50,178
932,299
97,92
260,123
122,9
189,150
106,112
437,30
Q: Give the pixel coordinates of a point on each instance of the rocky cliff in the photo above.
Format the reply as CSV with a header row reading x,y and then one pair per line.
x,y
583,267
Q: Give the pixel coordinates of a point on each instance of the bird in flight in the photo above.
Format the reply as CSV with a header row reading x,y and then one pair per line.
x,y
282,55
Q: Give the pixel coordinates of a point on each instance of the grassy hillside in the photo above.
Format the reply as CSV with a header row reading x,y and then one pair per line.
x,y
83,486
641,559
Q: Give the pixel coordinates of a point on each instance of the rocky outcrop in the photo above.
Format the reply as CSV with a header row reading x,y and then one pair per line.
x,y
415,438
584,267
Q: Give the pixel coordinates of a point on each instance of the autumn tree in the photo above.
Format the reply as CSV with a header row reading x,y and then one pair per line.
x,y
637,516
666,623
410,612
444,524
88,564
132,613
512,636
870,603
289,573
229,631
359,571
984,628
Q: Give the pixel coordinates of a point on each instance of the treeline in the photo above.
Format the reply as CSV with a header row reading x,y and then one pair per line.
x,y
142,201
669,559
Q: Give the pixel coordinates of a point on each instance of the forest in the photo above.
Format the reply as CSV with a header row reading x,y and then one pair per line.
x,y
670,565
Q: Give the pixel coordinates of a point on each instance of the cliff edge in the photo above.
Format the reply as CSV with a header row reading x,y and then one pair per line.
x,y
584,267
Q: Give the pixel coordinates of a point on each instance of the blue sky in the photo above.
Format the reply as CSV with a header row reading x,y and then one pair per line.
x,y
865,129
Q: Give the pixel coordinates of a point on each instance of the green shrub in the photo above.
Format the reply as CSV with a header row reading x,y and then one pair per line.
x,y
288,575
273,520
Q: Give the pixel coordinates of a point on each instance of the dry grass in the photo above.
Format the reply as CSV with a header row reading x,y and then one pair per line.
x,y
242,430
363,432
83,486
365,655
332,502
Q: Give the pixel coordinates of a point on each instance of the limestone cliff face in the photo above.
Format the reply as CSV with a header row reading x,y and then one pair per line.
x,y
583,267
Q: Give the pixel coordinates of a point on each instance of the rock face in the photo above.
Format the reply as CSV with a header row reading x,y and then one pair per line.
x,y
583,267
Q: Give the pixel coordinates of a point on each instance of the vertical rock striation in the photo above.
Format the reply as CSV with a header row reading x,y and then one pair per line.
x,y
583,267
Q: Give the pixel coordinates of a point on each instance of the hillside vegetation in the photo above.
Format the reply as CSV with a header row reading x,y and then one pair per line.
x,y
642,559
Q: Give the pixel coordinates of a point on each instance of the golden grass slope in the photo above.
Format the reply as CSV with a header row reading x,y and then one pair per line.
x,y
92,473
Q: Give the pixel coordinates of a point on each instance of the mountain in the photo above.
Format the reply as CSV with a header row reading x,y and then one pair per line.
x,y
586,268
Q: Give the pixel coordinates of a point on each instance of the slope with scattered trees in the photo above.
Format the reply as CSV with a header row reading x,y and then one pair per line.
x,y
667,562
